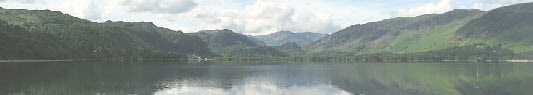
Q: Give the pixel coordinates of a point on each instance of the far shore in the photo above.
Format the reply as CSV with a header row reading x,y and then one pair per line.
x,y
2,61
519,61
70,60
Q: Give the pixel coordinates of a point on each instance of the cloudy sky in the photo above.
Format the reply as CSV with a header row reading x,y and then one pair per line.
x,y
254,17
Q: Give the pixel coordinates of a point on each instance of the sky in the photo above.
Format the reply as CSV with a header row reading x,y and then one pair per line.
x,y
253,17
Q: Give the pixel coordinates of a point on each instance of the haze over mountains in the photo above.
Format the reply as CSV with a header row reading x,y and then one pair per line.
x,y
230,44
42,34
281,37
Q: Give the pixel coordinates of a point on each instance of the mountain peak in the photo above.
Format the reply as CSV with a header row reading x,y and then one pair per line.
x,y
284,32
132,24
216,31
281,37
454,10
464,11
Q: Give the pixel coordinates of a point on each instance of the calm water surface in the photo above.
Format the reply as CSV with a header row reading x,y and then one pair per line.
x,y
264,78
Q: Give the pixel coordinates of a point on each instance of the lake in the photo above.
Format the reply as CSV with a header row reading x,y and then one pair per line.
x,y
264,78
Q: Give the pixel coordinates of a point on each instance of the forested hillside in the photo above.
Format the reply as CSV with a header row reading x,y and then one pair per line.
x,y
18,42
48,34
229,44
292,49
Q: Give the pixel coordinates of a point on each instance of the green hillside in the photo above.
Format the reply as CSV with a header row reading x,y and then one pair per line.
x,y
230,44
60,36
18,42
507,27
164,39
398,35
511,26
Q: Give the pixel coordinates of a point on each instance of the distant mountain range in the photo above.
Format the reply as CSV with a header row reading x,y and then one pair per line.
x,y
228,43
502,33
281,37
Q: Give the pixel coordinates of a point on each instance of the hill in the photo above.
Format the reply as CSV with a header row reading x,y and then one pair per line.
x,y
230,44
281,37
505,29
398,35
510,26
53,35
292,49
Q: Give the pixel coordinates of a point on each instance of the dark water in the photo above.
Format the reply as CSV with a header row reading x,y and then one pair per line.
x,y
264,78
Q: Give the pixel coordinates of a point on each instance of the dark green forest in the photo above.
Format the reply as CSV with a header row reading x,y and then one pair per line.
x,y
43,34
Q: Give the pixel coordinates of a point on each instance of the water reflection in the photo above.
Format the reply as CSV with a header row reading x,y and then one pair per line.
x,y
264,78
253,88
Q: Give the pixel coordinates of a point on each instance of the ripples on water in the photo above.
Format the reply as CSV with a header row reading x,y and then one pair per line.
x,y
264,78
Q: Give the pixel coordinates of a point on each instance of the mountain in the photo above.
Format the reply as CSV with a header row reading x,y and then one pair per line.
x,y
503,29
510,26
44,34
210,31
230,44
278,38
291,48
256,40
163,38
464,34
397,35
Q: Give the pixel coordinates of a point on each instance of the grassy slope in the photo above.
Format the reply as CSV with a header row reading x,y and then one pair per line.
x,y
440,37
436,38
509,26
399,35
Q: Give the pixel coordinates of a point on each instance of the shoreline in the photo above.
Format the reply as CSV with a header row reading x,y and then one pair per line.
x,y
20,61
519,61
71,60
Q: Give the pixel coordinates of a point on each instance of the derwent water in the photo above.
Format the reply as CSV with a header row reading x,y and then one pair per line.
x,y
264,78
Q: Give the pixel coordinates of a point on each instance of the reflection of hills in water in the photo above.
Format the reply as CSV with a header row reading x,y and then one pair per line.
x,y
431,79
265,78
252,88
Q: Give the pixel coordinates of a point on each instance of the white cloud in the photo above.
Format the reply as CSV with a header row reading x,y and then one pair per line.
x,y
262,17
159,6
492,4
253,17
266,16
23,1
87,9
440,7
